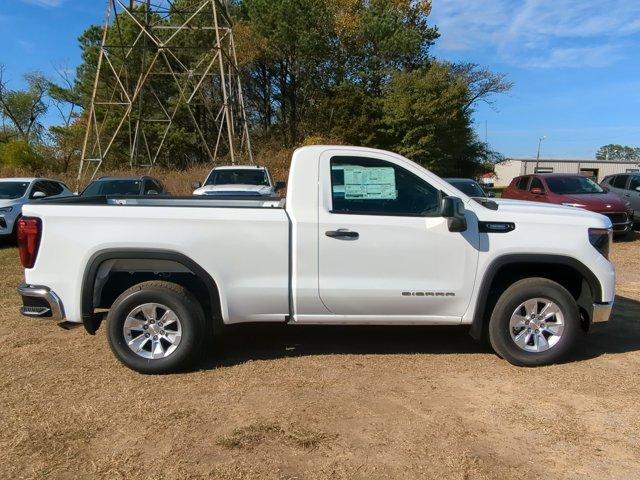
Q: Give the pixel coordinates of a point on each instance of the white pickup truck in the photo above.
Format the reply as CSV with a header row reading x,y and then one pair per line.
x,y
364,237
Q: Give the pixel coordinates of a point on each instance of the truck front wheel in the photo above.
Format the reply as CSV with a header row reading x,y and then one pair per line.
x,y
155,327
535,322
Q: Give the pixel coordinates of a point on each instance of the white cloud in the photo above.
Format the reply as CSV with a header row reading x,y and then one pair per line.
x,y
540,33
45,3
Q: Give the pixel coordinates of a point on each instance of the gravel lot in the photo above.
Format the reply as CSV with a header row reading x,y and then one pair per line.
x,y
315,403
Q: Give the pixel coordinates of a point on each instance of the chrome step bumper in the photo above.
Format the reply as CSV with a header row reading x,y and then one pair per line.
x,y
39,301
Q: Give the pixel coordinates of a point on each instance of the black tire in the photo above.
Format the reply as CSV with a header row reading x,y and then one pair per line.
x,y
181,302
521,291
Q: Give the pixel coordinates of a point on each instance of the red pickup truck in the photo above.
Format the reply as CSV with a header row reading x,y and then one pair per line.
x,y
573,191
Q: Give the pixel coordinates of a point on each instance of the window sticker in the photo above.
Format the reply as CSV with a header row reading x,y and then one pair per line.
x,y
366,183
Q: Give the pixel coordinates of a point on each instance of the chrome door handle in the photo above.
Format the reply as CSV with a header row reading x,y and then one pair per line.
x,y
342,233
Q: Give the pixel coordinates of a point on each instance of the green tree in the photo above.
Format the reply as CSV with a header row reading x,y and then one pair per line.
x,y
20,154
614,152
23,109
426,119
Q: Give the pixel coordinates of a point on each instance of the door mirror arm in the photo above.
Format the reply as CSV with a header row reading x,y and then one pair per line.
x,y
452,208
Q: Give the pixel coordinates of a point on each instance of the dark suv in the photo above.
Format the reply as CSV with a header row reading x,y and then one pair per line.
x,y
135,186
627,187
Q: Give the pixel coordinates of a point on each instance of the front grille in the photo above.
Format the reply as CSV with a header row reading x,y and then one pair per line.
x,y
617,217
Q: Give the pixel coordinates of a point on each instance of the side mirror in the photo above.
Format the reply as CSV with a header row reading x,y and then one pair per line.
x,y
39,194
153,192
279,186
491,195
196,185
453,210
606,189
537,191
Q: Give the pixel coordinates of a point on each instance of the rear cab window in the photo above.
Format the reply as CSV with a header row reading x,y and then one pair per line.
x,y
369,186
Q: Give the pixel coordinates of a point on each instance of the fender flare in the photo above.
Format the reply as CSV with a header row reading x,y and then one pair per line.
x,y
477,325
91,321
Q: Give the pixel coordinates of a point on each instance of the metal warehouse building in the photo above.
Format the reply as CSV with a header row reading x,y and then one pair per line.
x,y
509,169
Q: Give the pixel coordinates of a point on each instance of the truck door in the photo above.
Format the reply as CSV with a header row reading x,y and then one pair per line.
x,y
385,253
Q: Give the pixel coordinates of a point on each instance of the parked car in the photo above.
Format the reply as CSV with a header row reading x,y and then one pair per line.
x,y
573,190
364,237
627,187
15,192
470,187
136,186
238,180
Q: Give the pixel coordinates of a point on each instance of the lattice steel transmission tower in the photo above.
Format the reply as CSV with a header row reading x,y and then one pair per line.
x,y
167,70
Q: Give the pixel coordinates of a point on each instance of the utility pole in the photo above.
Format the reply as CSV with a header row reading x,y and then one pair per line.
x,y
186,48
538,155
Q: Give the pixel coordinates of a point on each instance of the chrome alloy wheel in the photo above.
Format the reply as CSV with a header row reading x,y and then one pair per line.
x,y
152,331
536,325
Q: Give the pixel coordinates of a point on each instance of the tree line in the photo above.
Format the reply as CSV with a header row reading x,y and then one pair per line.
x,y
341,71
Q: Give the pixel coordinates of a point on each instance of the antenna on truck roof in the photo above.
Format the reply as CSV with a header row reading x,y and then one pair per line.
x,y
133,108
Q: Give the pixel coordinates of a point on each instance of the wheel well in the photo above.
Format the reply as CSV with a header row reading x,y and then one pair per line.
x,y
507,274
111,274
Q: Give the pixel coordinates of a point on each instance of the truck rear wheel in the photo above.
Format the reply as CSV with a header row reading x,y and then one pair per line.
x,y
156,327
535,322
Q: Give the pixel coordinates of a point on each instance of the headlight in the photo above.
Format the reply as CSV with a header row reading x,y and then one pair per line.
x,y
6,209
577,205
601,239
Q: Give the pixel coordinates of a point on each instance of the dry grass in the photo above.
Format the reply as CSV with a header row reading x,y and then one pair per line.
x,y
274,402
260,433
178,182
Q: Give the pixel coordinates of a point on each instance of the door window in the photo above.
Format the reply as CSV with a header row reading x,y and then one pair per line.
x,y
522,183
536,183
375,187
151,185
39,187
53,188
620,181
635,182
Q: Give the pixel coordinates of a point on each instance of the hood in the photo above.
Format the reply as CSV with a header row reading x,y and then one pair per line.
x,y
234,190
515,209
597,202
4,202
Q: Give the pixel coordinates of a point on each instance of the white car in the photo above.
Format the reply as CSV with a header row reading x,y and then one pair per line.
x,y
238,180
364,237
15,192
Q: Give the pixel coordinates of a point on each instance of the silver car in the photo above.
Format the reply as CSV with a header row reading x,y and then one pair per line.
x,y
627,187
15,192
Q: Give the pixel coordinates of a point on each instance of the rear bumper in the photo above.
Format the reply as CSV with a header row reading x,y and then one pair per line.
x,y
601,312
40,301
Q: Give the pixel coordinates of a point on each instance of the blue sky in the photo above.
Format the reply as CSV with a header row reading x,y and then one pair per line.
x,y
575,63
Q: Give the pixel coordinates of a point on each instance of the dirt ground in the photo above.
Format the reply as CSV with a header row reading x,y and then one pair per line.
x,y
314,403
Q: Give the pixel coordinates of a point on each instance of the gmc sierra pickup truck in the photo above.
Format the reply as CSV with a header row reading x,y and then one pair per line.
x,y
364,237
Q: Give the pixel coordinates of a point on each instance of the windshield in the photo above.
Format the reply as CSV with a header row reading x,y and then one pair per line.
x,y
238,177
573,185
471,189
112,187
11,190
